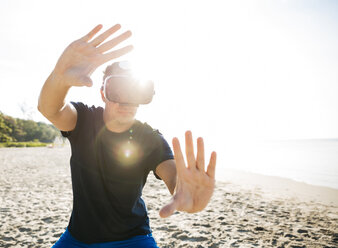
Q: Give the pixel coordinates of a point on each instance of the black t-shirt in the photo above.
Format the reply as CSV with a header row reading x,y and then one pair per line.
x,y
109,171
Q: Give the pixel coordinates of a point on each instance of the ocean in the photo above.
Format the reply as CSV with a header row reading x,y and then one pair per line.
x,y
310,161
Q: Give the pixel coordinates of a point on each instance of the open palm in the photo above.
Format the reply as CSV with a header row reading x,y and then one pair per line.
x,y
81,58
195,186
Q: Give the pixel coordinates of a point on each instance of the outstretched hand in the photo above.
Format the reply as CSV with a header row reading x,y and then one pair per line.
x,y
194,186
83,56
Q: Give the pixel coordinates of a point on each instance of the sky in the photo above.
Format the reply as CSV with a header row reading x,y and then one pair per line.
x,y
227,70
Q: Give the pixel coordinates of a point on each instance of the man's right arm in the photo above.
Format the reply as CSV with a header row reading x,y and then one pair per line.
x,y
74,68
52,103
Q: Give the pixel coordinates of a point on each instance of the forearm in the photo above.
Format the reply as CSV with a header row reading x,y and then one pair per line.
x,y
171,185
52,95
167,172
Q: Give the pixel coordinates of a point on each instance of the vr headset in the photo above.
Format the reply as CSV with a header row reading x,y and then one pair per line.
x,y
124,89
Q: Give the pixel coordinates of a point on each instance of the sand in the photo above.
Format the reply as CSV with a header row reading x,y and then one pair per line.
x,y
247,210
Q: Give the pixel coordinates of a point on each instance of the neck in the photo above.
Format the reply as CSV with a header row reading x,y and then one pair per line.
x,y
114,125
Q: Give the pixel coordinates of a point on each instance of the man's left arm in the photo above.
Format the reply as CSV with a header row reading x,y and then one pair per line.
x,y
167,172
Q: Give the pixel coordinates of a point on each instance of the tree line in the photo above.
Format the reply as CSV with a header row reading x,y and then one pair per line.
x,y
20,130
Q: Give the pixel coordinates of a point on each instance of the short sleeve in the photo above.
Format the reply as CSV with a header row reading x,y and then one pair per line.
x,y
81,113
161,153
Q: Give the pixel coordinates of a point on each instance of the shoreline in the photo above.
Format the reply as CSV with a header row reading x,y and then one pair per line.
x,y
277,186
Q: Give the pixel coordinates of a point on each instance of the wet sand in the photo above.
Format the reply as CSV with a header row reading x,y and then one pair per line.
x,y
246,210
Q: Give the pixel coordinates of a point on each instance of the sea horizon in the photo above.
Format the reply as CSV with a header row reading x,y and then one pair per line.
x,y
311,161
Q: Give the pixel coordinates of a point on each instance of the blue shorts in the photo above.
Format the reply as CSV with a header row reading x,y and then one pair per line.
x,y
68,241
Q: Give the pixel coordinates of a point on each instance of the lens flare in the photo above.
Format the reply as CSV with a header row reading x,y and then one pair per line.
x,y
129,153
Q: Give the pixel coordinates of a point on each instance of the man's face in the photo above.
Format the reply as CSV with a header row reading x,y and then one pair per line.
x,y
122,113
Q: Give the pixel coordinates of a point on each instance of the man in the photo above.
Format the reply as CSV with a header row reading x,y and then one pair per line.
x,y
112,154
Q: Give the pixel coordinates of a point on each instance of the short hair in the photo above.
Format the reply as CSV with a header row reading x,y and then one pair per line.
x,y
122,68
107,72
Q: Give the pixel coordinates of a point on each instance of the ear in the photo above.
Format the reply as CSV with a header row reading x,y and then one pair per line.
x,y
102,95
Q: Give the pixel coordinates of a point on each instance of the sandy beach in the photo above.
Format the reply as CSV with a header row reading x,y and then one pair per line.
x,y
247,210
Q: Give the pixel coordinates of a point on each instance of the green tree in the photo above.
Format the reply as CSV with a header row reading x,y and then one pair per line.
x,y
5,130
15,129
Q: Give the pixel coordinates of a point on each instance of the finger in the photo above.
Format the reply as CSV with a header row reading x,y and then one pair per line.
x,y
180,165
91,34
102,37
212,165
189,150
168,209
115,54
200,155
114,42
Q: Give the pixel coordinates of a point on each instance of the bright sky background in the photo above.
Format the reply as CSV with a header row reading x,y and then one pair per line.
x,y
227,70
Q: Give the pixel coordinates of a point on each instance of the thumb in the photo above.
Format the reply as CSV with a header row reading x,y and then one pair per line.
x,y
86,81
168,209
73,78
